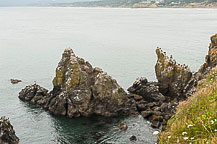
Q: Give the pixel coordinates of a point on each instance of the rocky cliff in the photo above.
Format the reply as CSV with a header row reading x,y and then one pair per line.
x,y
211,57
7,133
80,90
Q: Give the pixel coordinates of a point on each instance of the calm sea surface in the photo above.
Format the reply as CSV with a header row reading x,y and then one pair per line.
x,y
120,41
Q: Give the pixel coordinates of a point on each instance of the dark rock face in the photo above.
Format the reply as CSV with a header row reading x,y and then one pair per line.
x,y
148,90
153,106
35,94
7,133
172,77
80,90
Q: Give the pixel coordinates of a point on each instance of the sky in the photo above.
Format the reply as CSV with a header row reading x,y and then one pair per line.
x,y
31,2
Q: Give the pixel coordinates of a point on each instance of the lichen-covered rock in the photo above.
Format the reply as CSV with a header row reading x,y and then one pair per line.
x,y
211,58
7,133
80,90
172,77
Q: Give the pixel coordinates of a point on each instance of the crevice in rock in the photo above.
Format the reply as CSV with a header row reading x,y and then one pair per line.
x,y
66,108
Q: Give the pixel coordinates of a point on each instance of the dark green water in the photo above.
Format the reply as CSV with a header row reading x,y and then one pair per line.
x,y
120,41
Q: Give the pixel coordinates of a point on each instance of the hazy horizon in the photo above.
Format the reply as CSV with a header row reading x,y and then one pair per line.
x,y
36,2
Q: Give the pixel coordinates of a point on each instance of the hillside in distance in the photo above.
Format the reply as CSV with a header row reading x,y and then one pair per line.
x,y
143,3
36,2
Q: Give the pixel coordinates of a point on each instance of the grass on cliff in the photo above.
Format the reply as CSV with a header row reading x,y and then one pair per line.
x,y
195,121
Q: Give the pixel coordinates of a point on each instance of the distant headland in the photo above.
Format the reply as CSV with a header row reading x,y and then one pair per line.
x,y
143,4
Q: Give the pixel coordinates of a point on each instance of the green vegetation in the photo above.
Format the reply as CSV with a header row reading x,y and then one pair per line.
x,y
195,121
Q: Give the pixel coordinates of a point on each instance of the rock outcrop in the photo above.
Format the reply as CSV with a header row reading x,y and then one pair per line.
x,y
157,101
172,77
211,58
152,104
7,133
80,90
148,90
35,94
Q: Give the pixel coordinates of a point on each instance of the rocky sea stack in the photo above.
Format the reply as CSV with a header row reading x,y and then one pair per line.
x,y
157,101
7,133
80,90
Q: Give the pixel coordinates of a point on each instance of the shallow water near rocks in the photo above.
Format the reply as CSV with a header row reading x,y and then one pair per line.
x,y
120,41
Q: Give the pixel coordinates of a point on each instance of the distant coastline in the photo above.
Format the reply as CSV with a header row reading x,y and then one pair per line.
x,y
139,5
136,5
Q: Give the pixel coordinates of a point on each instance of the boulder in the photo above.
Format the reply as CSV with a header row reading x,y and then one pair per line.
x,y
133,138
155,124
81,90
123,126
7,133
172,77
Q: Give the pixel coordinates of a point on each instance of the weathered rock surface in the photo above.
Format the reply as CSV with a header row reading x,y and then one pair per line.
x,y
80,90
172,77
211,58
7,133
35,94
148,90
153,106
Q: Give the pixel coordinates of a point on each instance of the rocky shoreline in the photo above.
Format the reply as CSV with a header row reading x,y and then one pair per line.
x,y
81,90
157,101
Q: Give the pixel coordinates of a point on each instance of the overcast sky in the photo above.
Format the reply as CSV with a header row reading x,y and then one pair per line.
x,y
27,2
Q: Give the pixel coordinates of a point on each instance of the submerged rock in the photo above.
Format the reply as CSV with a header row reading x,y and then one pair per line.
x,y
123,126
172,77
15,81
80,90
133,138
7,133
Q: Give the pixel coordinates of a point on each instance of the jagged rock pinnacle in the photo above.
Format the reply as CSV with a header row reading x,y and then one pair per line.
x,y
172,77
80,90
